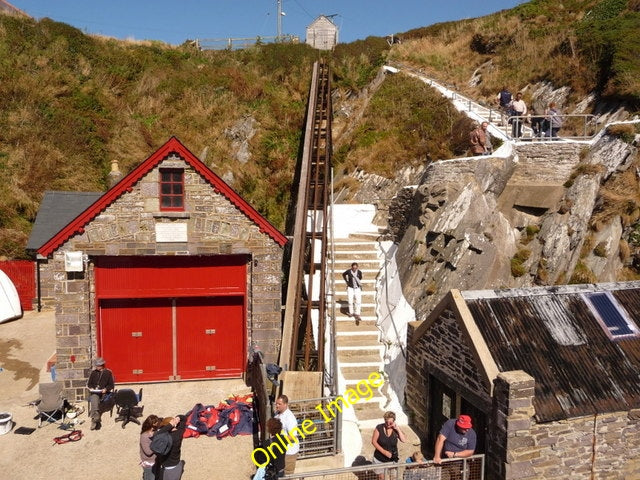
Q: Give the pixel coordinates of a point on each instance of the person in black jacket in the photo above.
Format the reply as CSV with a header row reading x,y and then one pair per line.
x,y
170,466
100,385
353,278
275,460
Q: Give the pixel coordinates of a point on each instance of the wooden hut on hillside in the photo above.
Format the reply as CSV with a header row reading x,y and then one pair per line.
x,y
322,33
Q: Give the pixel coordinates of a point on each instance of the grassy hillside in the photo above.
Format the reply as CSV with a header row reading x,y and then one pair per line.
x,y
588,45
71,103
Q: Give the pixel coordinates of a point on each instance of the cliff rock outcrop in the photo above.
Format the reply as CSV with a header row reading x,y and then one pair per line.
x,y
516,221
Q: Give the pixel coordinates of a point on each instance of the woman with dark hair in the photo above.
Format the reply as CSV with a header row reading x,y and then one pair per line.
x,y
147,457
385,441
273,461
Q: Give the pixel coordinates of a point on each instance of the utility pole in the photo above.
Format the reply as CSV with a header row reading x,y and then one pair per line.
x,y
279,37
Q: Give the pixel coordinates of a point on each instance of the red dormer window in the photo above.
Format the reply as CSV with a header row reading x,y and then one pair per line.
x,y
172,190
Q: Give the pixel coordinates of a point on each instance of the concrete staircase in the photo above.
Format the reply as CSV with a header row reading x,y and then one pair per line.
x,y
358,346
359,350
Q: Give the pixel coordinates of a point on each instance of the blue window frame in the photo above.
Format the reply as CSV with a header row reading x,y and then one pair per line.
x,y
611,315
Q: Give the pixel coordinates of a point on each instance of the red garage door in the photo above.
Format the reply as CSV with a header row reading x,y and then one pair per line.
x,y
136,338
172,318
210,328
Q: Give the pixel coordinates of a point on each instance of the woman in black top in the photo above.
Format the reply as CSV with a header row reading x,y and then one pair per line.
x,y
385,441
276,452
170,467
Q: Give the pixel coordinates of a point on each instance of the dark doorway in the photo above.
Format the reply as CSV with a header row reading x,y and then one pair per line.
x,y
446,403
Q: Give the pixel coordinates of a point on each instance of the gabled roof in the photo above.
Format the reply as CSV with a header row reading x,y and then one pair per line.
x,y
57,209
172,146
552,334
322,19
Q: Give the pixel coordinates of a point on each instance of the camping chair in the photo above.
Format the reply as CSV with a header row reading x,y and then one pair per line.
x,y
51,403
128,409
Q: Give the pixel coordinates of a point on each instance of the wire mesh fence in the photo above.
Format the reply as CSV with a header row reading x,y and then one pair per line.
x,y
322,425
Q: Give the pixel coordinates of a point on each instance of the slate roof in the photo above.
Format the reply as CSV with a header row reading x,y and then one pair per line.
x,y
57,210
553,335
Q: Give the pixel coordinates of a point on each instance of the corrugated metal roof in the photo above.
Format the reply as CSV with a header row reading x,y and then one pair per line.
x,y
553,336
57,210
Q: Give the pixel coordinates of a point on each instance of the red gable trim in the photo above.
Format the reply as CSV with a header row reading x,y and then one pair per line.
x,y
123,186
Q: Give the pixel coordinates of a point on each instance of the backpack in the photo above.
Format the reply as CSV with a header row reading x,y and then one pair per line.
x,y
505,98
271,472
161,443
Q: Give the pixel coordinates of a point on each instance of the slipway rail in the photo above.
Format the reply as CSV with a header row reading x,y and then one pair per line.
x,y
303,338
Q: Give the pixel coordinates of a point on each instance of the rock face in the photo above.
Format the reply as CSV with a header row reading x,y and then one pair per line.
x,y
240,134
507,222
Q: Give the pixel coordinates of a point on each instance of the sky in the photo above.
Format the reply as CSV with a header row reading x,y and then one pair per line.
x,y
174,21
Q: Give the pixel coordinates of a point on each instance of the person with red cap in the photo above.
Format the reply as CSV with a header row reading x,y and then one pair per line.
x,y
456,439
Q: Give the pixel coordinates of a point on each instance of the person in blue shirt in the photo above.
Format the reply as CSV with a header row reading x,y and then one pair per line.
x,y
456,439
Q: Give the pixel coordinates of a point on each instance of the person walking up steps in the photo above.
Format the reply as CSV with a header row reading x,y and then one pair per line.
x,y
353,278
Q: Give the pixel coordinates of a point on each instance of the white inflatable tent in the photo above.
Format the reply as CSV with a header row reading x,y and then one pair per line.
x,y
9,300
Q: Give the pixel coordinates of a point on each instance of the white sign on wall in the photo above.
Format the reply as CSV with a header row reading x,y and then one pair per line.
x,y
171,232
73,262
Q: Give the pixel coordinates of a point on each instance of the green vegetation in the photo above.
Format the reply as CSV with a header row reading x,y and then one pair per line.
x,y
588,45
624,131
405,122
517,262
529,233
582,274
72,103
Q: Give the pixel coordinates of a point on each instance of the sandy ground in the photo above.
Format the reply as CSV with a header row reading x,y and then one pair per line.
x,y
112,452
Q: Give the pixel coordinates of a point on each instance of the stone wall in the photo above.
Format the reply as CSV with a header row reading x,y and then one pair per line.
x,y
603,446
443,353
127,227
551,162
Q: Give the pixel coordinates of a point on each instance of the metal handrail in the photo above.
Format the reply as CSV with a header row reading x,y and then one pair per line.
x,y
587,123
470,468
589,126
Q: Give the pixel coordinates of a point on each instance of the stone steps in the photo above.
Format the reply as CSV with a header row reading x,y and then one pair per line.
x,y
358,346
355,255
360,357
355,374
365,339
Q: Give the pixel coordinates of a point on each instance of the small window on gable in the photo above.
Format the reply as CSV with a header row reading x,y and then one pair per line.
x,y
611,315
172,189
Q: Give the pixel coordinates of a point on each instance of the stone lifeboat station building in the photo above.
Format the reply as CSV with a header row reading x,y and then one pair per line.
x,y
169,275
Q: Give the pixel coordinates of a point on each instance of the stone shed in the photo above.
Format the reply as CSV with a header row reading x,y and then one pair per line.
x,y
169,275
322,33
550,375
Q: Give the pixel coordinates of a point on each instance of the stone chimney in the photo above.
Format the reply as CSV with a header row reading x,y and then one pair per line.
x,y
115,174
